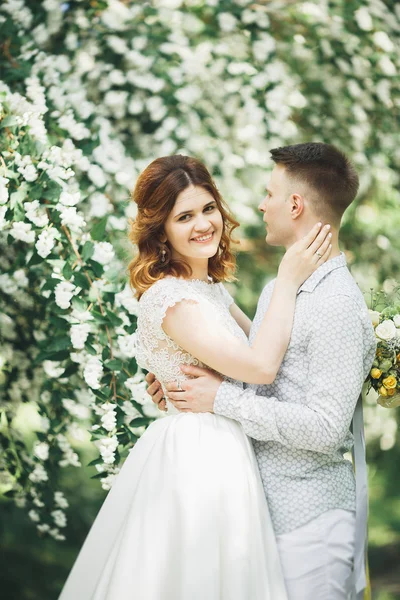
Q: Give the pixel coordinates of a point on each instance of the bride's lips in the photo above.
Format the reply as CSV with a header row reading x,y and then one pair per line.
x,y
203,239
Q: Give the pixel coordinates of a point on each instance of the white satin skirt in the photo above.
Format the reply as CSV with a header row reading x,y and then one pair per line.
x,y
186,519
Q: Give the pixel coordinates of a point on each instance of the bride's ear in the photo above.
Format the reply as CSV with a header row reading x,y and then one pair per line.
x,y
296,205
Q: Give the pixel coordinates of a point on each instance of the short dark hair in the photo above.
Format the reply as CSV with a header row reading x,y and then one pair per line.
x,y
326,170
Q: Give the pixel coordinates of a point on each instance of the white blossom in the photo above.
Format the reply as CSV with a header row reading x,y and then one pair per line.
x,y
59,518
38,474
34,516
22,231
107,447
45,242
41,450
68,199
127,345
64,291
103,253
3,190
93,372
53,369
79,334
36,213
60,500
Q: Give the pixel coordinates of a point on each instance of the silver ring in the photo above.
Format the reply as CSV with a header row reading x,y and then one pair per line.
x,y
179,386
318,254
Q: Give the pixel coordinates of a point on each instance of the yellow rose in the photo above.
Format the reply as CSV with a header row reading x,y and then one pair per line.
x,y
383,391
391,392
390,382
376,373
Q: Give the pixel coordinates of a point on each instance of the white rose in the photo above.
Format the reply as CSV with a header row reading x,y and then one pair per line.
x,y
386,330
396,320
374,315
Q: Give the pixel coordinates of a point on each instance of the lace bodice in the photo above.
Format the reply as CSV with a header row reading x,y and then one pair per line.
x,y
156,351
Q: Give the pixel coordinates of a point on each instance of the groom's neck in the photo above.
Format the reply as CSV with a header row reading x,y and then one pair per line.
x,y
303,231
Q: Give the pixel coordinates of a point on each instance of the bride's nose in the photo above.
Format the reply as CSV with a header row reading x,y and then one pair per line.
x,y
202,223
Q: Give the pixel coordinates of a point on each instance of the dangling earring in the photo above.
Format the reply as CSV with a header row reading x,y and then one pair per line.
x,y
163,253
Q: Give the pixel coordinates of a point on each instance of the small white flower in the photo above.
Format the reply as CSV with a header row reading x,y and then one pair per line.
x,y
227,22
93,372
396,320
68,199
386,330
41,450
3,190
363,18
36,213
23,231
96,174
34,516
3,222
63,293
52,369
383,41
127,345
79,334
107,447
374,316
59,518
103,253
38,474
60,500
45,242
43,528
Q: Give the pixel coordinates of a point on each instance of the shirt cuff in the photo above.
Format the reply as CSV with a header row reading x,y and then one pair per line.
x,y
227,400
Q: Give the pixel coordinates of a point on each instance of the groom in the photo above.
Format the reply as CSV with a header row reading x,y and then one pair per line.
x,y
300,424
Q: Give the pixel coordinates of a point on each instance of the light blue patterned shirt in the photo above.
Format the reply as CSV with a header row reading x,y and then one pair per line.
x,y
300,423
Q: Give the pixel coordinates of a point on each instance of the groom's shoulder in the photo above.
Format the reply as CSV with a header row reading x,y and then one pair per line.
x,y
339,284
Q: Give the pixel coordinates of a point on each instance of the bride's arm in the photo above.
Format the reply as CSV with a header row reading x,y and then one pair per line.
x,y
241,318
196,329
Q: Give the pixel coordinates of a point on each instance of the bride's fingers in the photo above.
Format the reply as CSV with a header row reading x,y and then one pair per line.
x,y
323,253
311,235
319,240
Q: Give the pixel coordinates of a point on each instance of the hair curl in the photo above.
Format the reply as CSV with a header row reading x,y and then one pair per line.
x,y
155,193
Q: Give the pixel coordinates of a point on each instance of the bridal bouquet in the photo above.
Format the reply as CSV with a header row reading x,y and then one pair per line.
x,y
384,376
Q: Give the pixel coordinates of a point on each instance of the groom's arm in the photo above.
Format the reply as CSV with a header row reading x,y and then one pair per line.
x,y
335,379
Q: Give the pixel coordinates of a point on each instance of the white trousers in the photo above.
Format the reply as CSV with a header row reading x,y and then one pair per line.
x,y
317,559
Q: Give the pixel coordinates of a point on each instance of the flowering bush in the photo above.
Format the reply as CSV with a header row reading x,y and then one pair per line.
x,y
92,92
384,376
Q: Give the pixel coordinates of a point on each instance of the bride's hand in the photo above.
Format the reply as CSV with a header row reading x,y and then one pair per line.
x,y
306,255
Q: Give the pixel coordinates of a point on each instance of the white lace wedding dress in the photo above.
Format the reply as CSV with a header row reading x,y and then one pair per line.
x,y
186,518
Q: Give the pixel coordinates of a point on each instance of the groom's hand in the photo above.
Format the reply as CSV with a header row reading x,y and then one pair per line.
x,y
198,394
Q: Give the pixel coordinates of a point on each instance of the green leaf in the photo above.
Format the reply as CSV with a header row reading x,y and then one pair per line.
x,y
114,365
87,251
97,268
61,343
113,318
96,461
9,121
90,349
139,422
99,229
67,271
81,280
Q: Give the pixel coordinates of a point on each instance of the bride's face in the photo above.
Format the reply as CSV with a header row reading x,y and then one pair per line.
x,y
194,226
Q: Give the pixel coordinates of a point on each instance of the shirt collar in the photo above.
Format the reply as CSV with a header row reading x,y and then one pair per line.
x,y
334,263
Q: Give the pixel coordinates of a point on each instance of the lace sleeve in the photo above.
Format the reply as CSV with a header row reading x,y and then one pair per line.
x,y
226,297
156,351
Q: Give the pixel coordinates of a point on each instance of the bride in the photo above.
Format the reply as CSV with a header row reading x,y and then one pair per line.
x,y
186,518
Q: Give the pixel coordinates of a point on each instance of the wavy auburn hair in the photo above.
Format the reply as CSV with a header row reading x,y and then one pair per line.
x,y
155,193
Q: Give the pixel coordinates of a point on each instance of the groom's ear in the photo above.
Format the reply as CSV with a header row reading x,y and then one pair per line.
x,y
296,205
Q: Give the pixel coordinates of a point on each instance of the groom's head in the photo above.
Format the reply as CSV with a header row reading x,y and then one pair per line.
x,y
310,182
